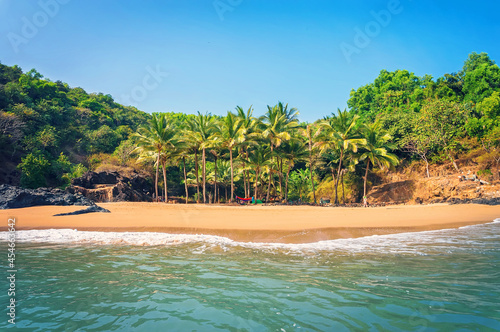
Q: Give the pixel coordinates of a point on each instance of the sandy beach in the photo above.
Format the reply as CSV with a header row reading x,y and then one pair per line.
x,y
287,224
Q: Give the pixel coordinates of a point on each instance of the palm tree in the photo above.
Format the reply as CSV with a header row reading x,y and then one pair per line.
x,y
259,160
249,126
307,132
201,132
156,139
339,132
181,152
216,151
375,149
293,151
232,133
224,175
300,178
277,124
193,147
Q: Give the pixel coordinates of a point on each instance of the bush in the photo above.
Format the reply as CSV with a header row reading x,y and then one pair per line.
x,y
34,169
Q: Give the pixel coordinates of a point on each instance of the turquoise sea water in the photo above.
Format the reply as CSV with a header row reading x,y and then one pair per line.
x,y
446,280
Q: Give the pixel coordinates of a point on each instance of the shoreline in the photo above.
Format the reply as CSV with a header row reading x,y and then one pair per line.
x,y
272,224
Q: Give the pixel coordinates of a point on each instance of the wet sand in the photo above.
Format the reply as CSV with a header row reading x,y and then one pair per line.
x,y
286,224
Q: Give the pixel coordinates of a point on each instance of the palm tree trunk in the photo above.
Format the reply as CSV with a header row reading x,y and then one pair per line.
x,y
225,191
232,181
156,178
333,178
269,187
281,180
215,171
312,182
256,191
286,183
204,175
185,178
248,175
310,163
164,167
196,169
270,176
343,188
366,177
338,176
245,183
249,185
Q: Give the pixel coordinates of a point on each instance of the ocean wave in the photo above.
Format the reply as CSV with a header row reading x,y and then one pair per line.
x,y
400,243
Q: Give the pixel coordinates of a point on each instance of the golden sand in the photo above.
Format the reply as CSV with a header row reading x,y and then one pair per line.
x,y
291,224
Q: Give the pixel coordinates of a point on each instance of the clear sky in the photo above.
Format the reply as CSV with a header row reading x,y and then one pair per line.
x,y
211,55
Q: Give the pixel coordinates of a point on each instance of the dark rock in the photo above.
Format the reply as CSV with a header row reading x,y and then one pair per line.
x,y
90,209
12,197
112,187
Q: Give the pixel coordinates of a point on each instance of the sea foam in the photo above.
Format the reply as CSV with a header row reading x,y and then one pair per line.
x,y
411,242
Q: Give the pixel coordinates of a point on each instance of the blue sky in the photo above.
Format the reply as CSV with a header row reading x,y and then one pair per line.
x,y
211,55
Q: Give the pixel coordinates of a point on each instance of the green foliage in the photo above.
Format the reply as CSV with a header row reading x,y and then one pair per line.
x,y
390,92
34,168
481,77
103,139
50,126
39,119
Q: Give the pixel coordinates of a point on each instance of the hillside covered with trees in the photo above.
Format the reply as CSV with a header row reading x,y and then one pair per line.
x,y
50,133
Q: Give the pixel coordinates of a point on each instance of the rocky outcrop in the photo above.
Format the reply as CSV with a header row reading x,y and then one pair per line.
x,y
12,197
440,189
394,192
112,187
90,209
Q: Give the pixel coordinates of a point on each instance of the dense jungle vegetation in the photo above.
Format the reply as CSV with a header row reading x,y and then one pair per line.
x,y
51,133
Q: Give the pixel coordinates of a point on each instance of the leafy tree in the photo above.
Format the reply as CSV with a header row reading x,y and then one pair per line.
x,y
481,77
103,139
443,121
34,168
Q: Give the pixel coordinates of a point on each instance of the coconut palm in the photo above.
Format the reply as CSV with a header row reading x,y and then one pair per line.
x,y
180,153
307,132
232,133
249,126
259,160
293,151
216,151
375,149
224,175
193,148
156,138
202,132
299,179
339,131
276,125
